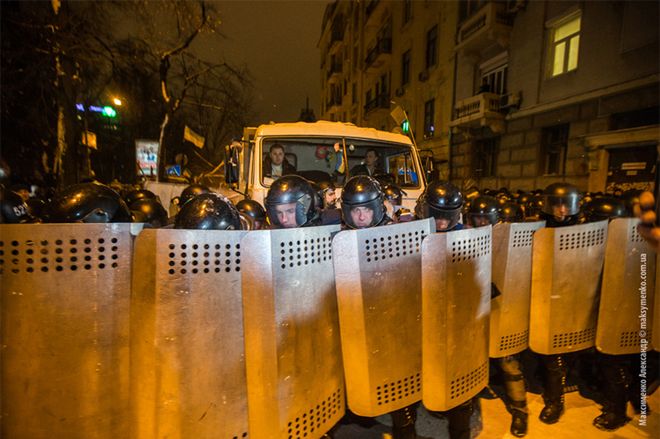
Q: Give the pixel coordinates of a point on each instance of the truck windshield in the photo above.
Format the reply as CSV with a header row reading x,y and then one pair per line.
x,y
320,159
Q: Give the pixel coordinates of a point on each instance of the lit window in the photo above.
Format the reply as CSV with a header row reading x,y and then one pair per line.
x,y
565,38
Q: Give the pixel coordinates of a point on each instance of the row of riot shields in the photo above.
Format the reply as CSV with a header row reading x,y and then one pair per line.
x,y
109,331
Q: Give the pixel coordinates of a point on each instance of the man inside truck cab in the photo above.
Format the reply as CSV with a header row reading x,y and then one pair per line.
x,y
275,164
369,166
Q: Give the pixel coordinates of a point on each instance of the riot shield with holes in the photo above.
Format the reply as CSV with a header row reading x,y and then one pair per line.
x,y
456,290
378,275
187,349
292,345
512,276
65,325
567,263
627,290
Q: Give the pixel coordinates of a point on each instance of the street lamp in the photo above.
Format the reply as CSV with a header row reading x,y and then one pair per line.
x,y
117,102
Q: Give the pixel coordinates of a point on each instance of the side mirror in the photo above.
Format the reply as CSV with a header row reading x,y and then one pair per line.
x,y
232,163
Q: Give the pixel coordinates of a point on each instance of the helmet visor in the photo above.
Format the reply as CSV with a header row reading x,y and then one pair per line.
x,y
560,206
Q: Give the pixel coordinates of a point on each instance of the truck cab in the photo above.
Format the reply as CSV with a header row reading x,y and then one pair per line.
x,y
322,151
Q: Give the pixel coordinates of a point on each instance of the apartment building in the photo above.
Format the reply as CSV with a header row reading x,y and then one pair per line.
x,y
377,55
508,93
557,91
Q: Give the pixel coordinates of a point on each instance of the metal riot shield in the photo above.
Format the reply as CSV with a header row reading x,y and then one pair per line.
x,y
292,345
456,291
378,275
512,276
627,291
187,347
65,326
566,266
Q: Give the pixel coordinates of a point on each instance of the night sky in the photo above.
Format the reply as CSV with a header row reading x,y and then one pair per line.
x,y
277,41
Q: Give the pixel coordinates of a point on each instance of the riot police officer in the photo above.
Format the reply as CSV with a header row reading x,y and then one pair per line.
x,y
560,208
363,203
483,211
191,192
149,211
87,203
13,209
208,212
603,208
511,212
363,206
444,202
291,202
616,369
139,194
253,210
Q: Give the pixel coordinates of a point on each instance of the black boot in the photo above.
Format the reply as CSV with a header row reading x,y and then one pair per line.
x,y
519,417
459,421
516,395
403,422
553,394
617,378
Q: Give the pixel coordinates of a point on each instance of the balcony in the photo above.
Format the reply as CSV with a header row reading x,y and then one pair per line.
x,y
334,71
336,35
479,111
382,101
333,105
378,54
491,24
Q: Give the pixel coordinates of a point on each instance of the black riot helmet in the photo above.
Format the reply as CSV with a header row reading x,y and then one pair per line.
x,y
149,210
13,210
208,212
442,201
511,213
191,192
291,190
394,193
604,208
483,211
139,194
87,203
252,209
362,191
561,200
534,206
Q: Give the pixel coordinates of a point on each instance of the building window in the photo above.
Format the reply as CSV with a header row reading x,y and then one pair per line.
x,y
407,10
485,155
554,142
405,68
354,97
431,46
565,43
429,118
494,81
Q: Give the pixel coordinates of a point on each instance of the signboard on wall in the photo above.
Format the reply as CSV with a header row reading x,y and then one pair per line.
x,y
146,154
